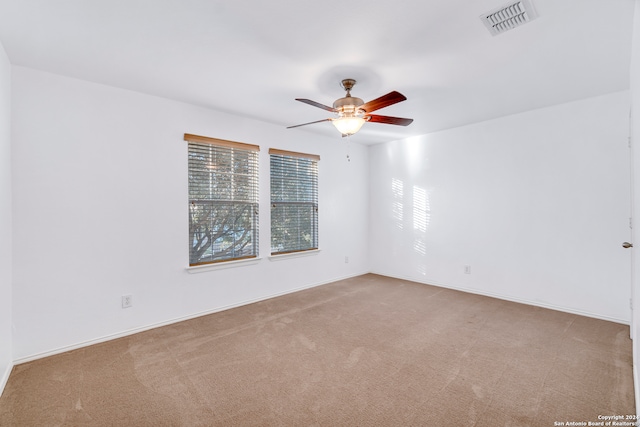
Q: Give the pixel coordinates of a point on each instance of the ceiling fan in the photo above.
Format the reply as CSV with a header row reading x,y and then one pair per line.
x,y
353,112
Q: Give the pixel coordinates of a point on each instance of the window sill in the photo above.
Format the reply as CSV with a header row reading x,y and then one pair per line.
x,y
294,255
221,265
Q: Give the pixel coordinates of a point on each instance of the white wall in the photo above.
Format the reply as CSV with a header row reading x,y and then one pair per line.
x,y
635,138
537,204
100,210
6,352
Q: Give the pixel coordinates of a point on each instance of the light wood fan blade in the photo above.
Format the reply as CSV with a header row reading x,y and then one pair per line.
x,y
317,104
310,123
384,101
389,120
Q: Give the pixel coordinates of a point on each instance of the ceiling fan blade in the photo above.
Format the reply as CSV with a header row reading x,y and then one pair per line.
x,y
310,123
389,120
316,104
384,101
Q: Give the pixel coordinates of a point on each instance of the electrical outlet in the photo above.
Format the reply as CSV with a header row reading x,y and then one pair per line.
x,y
127,301
467,269
346,260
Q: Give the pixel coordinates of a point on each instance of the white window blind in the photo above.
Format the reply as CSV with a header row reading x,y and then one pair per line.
x,y
294,201
223,200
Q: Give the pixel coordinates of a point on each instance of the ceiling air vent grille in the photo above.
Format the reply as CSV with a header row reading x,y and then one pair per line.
x,y
508,17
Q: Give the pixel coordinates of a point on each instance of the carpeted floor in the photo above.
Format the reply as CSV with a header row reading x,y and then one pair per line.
x,y
367,351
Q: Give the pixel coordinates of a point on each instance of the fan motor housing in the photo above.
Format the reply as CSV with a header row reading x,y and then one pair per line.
x,y
348,103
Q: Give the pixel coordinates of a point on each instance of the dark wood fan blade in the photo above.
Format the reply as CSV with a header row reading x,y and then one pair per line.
x,y
316,104
384,101
310,123
389,120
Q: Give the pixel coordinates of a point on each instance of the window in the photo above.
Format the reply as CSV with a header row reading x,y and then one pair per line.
x,y
223,200
294,201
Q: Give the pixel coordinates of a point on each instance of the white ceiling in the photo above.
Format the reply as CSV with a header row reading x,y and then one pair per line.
x,y
252,57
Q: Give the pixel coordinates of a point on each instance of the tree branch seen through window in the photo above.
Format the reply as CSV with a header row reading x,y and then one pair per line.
x,y
223,200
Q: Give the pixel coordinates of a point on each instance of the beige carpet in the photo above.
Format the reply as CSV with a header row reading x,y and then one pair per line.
x,y
368,351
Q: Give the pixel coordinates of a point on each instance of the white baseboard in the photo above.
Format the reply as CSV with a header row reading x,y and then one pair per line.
x,y
5,377
172,321
508,298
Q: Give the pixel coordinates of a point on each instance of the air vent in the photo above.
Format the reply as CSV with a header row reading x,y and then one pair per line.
x,y
508,17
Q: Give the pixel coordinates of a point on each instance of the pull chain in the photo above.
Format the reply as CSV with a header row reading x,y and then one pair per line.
x,y
348,146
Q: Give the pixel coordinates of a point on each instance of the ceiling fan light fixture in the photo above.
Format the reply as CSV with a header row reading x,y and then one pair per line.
x,y
348,125
353,112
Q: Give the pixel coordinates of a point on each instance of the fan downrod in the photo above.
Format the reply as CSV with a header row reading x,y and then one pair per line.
x,y
348,84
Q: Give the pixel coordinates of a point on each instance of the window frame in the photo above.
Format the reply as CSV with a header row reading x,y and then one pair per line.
x,y
313,204
246,196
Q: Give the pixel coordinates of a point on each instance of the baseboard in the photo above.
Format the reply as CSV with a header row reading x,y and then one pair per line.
x,y
171,321
508,298
5,377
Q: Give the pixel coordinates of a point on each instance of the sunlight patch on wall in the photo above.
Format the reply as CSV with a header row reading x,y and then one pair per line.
x,y
420,246
397,208
415,154
422,269
421,210
421,219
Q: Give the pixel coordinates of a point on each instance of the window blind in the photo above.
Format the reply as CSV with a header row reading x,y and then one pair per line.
x,y
294,201
223,200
